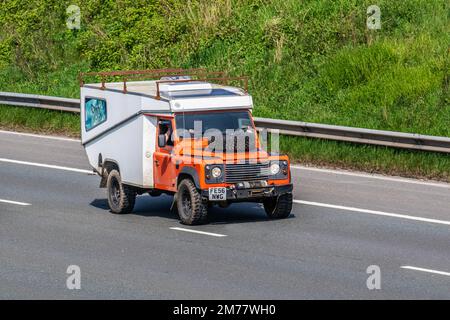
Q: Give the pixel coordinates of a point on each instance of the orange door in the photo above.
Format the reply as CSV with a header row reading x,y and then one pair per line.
x,y
163,167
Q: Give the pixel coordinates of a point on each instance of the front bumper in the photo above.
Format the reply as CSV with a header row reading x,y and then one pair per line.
x,y
242,194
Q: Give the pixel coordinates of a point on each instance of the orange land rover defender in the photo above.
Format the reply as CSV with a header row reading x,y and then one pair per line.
x,y
181,135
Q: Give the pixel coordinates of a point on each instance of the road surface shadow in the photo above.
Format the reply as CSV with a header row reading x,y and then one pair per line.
x,y
239,213
145,206
148,206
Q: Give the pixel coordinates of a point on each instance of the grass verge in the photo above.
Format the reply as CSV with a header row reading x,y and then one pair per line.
x,y
39,120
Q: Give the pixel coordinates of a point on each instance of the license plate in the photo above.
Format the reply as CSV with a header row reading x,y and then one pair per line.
x,y
217,194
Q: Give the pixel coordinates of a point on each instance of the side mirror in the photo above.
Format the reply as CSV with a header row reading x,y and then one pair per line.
x,y
162,140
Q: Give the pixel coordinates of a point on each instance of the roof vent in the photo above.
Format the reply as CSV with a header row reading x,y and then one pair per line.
x,y
184,86
176,78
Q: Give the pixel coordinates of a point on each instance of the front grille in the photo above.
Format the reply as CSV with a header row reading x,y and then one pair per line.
x,y
240,172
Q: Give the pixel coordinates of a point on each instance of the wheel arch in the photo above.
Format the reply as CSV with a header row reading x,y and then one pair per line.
x,y
189,173
107,166
110,164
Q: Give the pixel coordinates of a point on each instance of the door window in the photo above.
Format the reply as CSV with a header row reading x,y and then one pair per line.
x,y
165,127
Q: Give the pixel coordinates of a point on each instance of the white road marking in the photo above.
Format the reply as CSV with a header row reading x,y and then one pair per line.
x,y
33,135
373,176
379,213
427,270
50,166
199,232
15,202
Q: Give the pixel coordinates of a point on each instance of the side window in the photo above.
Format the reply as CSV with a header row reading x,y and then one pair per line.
x,y
165,127
95,112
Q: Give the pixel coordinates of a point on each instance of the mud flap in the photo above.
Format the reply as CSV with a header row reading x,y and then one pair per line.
x,y
174,202
104,178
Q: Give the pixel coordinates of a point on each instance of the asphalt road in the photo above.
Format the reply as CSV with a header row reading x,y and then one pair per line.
x,y
342,223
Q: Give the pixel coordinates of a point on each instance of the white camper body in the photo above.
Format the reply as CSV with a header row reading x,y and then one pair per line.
x,y
118,125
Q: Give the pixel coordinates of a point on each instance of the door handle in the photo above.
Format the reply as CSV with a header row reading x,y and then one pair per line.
x,y
156,162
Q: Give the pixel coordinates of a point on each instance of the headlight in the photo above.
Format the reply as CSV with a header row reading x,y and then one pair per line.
x,y
274,168
216,172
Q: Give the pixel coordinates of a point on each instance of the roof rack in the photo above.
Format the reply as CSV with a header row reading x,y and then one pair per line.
x,y
200,74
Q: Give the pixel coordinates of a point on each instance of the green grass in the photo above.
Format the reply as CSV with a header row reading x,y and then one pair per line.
x,y
310,60
39,120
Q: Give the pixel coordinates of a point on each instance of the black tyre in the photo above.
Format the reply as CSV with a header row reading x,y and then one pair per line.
x,y
278,207
191,208
121,198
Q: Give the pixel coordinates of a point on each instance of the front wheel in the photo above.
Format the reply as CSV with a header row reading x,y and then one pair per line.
x,y
278,207
191,208
121,198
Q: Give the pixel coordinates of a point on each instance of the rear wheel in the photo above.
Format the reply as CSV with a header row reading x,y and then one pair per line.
x,y
191,208
278,207
121,198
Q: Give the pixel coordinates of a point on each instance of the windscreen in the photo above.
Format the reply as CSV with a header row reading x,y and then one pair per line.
x,y
221,121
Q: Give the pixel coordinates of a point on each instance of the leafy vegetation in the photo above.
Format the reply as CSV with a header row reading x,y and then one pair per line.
x,y
310,60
